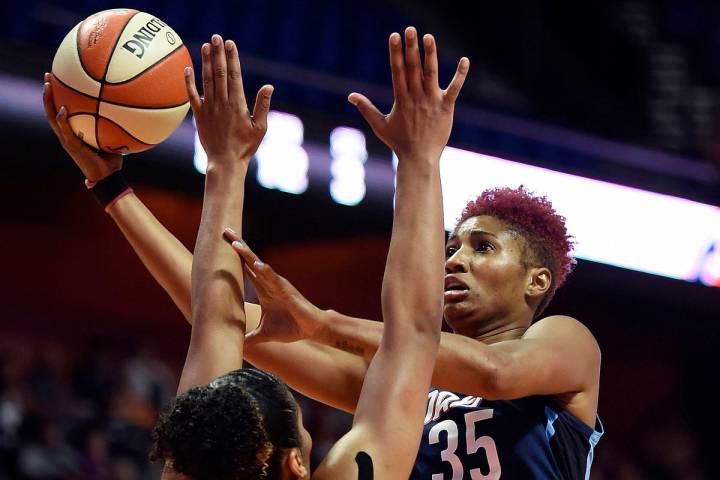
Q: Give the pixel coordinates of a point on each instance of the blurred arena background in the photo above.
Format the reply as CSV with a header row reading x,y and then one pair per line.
x,y
619,91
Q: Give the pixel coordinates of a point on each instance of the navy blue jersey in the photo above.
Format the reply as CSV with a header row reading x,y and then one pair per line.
x,y
469,438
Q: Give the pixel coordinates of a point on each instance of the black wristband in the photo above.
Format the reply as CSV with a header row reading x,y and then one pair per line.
x,y
110,189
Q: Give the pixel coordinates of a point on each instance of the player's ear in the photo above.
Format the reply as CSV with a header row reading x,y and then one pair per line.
x,y
539,280
294,463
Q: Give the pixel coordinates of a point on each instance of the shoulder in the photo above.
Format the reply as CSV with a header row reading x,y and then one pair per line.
x,y
579,353
559,325
568,332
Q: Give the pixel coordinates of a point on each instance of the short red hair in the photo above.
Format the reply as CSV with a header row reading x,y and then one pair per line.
x,y
547,243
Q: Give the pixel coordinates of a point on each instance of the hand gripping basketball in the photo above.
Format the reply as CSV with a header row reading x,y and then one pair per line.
x,y
95,165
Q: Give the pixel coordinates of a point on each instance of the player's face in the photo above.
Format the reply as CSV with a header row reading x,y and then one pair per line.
x,y
485,278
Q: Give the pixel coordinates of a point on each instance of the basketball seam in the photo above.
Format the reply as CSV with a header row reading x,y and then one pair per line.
x,y
77,47
102,82
159,61
141,107
125,131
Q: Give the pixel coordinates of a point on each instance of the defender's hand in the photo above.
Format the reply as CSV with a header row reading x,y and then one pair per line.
x,y
421,118
94,165
227,130
287,316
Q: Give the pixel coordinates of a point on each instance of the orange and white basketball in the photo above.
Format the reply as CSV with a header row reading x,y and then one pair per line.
x,y
119,74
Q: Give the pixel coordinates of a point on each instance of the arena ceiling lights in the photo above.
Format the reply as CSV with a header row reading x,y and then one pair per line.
x,y
612,224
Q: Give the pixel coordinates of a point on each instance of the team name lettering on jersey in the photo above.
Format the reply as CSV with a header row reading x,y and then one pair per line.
x,y
440,402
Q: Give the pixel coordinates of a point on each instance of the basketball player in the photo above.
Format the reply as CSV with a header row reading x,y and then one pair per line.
x,y
229,428
510,397
523,395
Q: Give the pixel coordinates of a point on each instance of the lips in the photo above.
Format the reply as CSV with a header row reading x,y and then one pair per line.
x,y
455,289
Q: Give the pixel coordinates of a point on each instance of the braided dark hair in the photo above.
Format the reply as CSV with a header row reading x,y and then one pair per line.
x,y
237,427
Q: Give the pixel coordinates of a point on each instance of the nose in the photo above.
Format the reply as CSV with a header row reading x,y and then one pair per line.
x,y
456,263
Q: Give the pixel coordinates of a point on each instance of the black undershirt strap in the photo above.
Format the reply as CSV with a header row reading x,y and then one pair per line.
x,y
365,466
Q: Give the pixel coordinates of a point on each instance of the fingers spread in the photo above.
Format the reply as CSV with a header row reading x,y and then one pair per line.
x,y
262,106
430,75
219,66
207,73
412,61
397,66
453,90
195,101
372,115
236,93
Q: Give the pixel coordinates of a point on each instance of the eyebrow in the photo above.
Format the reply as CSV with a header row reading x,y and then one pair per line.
x,y
473,233
477,232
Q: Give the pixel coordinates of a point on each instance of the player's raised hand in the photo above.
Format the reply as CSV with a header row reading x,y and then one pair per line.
x,y
422,115
287,316
94,165
228,131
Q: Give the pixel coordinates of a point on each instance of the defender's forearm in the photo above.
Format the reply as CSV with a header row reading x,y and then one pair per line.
x,y
412,283
217,293
217,297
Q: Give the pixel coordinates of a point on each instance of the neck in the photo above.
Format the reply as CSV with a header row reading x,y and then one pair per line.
x,y
500,335
493,330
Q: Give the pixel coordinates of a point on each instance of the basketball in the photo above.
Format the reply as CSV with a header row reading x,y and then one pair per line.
x,y
119,74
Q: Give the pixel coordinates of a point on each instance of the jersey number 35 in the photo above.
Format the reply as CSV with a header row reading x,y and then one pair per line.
x,y
473,445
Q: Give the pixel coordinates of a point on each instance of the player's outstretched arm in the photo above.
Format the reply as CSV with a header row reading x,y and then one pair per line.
x,y
230,136
165,257
555,356
417,130
336,377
